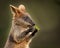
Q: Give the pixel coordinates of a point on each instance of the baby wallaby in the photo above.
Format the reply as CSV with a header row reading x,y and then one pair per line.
x,y
22,29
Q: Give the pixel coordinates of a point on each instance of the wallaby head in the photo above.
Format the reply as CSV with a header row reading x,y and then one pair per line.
x,y
22,29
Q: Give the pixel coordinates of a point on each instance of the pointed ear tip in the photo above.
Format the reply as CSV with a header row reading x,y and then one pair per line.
x,y
11,6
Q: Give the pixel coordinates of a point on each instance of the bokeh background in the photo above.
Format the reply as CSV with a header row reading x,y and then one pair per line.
x,y
46,14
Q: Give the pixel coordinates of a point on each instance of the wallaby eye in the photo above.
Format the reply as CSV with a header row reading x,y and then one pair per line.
x,y
25,18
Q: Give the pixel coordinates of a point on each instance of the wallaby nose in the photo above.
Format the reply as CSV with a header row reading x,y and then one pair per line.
x,y
33,24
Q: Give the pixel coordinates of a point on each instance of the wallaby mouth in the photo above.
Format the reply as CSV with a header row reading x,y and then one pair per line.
x,y
33,32
30,32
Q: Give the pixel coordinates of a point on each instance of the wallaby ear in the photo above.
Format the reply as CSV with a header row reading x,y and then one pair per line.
x,y
14,9
22,8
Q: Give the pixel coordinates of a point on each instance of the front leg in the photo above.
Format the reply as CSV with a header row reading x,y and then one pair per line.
x,y
17,39
33,32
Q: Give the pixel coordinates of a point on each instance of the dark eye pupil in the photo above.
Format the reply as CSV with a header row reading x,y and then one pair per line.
x,y
25,18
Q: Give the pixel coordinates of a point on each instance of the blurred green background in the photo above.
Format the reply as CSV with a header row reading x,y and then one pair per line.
x,y
46,14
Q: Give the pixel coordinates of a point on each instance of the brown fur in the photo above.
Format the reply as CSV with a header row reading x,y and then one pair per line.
x,y
17,37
